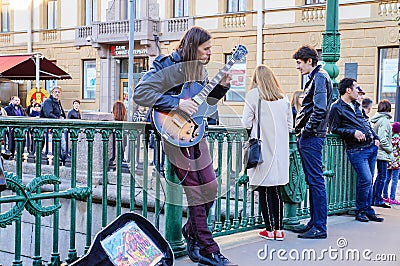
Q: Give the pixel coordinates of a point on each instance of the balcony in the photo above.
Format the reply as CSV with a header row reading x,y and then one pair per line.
x,y
173,29
115,32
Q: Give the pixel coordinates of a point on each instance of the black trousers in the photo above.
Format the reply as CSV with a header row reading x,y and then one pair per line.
x,y
271,204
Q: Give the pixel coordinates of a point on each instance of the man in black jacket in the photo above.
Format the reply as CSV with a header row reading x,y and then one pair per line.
x,y
347,120
13,109
311,127
52,108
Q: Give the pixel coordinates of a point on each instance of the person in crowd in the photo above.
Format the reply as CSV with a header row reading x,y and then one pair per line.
x,y
52,108
35,110
361,144
30,107
361,94
366,106
119,111
297,100
276,120
13,109
381,125
2,111
192,165
120,114
140,114
393,167
75,112
311,127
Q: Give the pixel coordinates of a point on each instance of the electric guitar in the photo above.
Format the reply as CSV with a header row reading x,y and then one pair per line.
x,y
181,129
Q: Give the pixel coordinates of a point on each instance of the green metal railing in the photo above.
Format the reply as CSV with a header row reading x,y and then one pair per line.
x,y
76,191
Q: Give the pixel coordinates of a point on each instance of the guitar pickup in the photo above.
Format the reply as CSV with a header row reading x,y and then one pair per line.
x,y
176,121
197,100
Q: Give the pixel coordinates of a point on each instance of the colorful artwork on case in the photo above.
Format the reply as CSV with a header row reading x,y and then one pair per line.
x,y
129,245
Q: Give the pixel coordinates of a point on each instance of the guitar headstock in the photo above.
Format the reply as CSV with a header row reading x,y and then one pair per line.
x,y
239,52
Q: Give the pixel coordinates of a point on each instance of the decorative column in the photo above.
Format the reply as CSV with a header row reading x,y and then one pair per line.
x,y
173,209
331,43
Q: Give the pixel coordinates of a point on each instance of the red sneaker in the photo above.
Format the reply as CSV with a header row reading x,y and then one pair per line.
x,y
267,234
395,202
387,200
279,235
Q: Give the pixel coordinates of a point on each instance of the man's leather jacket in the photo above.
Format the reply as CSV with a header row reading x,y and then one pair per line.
x,y
160,85
343,120
312,119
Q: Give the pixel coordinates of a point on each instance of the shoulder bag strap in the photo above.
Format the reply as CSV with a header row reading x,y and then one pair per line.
x,y
258,124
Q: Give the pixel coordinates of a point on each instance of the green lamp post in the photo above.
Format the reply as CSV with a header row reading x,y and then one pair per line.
x,y
331,43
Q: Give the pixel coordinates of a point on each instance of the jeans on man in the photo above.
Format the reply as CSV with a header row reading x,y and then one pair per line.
x,y
363,161
393,174
310,149
380,180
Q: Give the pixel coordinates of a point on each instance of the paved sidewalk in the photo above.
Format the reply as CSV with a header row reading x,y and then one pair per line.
x,y
375,243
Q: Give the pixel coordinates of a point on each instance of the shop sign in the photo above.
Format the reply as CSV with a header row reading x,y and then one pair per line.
x,y
123,50
38,95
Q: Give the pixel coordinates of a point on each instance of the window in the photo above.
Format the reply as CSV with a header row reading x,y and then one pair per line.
x,y
137,9
388,67
238,83
5,16
181,8
236,6
52,14
89,79
90,11
313,2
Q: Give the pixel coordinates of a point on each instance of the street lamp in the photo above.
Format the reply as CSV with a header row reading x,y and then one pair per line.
x,y
130,67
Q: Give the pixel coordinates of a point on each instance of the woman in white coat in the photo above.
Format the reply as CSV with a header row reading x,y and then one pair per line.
x,y
275,123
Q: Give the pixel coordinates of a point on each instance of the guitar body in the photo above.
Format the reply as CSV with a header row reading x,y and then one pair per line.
x,y
177,127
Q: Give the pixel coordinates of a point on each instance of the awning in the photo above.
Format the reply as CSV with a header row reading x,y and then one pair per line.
x,y
23,67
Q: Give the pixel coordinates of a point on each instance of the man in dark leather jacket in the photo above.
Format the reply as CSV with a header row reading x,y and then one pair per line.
x,y
193,165
311,126
13,109
347,120
52,108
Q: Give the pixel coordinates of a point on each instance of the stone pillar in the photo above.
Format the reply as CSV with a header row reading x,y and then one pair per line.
x,y
97,162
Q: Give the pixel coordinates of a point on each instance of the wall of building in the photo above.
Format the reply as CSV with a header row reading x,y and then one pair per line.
x,y
365,26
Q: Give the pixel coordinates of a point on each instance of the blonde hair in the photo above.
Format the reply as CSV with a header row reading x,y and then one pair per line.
x,y
295,100
268,86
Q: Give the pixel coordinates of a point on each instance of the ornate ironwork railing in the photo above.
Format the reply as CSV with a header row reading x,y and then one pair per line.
x,y
67,205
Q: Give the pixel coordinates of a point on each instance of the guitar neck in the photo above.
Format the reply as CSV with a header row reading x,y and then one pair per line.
x,y
202,95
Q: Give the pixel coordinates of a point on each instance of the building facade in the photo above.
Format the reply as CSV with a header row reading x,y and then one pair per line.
x,y
89,39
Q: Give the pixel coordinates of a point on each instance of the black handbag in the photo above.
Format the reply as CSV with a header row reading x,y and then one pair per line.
x,y
252,148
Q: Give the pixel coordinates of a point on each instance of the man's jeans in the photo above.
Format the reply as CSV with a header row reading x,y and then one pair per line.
x,y
393,174
310,149
363,161
379,182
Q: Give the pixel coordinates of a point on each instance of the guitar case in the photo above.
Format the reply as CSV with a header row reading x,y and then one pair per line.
x,y
129,240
